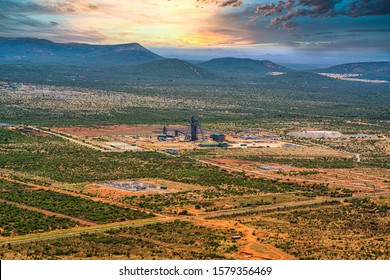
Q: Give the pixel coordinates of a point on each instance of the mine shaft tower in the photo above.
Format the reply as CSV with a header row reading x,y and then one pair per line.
x,y
193,128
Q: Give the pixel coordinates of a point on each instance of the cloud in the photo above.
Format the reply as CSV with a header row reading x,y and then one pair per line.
x,y
370,30
26,15
289,25
223,3
43,19
16,17
332,31
283,12
320,8
367,8
45,7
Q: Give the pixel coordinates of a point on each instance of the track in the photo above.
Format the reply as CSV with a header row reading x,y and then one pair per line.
x,y
80,231
69,138
289,205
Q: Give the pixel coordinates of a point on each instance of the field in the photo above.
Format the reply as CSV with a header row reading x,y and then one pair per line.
x,y
18,221
280,197
69,205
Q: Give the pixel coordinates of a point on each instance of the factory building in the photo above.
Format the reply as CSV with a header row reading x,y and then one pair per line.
x,y
164,137
214,145
218,137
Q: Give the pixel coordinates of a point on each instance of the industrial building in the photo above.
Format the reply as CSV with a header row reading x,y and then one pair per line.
x,y
218,137
130,185
164,137
258,137
192,134
214,145
194,127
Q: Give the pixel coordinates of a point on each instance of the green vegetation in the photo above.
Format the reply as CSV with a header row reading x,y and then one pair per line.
x,y
356,230
305,162
171,69
82,96
367,70
373,153
175,240
66,162
12,186
322,162
62,161
209,199
69,205
216,198
18,221
97,96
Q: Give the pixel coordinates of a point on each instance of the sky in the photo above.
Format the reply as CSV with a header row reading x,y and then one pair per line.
x,y
294,31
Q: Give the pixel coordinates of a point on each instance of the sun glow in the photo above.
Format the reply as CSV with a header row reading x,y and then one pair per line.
x,y
152,22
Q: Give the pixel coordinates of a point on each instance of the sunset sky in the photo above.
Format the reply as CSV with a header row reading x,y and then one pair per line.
x,y
204,28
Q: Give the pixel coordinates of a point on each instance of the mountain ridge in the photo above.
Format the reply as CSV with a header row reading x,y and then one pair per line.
x,y
34,50
369,70
171,68
135,59
232,66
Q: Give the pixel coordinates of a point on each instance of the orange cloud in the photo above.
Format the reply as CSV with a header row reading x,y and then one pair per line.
x,y
152,22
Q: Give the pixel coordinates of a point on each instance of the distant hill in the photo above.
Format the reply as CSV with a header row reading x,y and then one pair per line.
x,y
229,66
171,68
369,70
39,51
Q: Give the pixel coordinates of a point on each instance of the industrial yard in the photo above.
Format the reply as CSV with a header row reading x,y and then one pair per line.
x,y
171,139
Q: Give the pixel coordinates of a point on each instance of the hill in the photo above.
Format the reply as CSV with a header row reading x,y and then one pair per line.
x,y
171,68
39,51
233,67
368,70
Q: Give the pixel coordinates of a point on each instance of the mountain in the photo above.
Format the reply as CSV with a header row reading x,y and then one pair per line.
x,y
368,70
234,67
171,68
39,51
